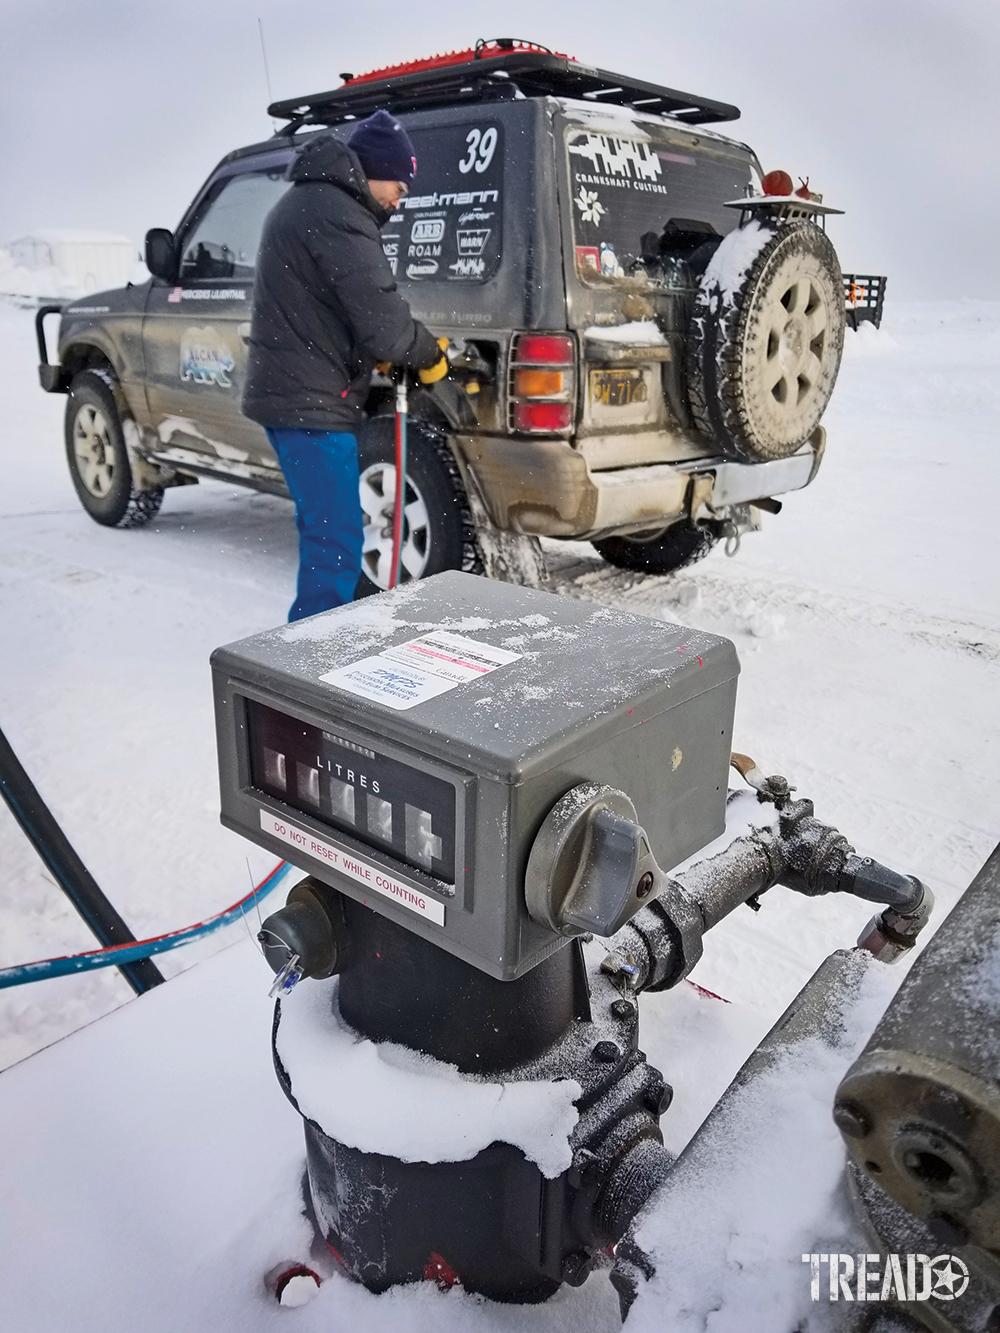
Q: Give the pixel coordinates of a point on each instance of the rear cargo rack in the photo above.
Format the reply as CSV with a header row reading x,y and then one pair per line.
x,y
864,295
493,72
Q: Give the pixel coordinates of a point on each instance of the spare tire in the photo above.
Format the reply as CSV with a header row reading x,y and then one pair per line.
x,y
766,338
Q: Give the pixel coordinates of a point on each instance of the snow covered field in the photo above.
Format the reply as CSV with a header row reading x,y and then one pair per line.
x,y
866,616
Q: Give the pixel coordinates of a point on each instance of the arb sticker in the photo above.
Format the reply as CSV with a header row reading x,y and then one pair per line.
x,y
427,229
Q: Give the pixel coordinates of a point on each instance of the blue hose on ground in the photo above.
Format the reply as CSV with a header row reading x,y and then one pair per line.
x,y
127,953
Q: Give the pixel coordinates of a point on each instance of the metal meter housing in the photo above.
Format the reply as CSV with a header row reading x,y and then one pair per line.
x,y
407,748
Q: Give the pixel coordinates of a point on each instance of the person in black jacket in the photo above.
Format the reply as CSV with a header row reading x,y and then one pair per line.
x,y
325,312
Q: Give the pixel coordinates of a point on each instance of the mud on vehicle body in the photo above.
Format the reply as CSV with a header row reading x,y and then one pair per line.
x,y
647,344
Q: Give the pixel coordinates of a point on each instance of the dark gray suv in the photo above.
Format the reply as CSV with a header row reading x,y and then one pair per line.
x,y
646,341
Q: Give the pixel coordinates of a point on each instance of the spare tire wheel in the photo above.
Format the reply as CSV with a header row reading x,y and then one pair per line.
x,y
766,338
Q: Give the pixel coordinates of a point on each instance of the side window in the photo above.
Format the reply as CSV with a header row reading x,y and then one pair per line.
x,y
448,226
225,240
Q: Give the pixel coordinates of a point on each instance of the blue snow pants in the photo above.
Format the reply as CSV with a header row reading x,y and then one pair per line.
x,y
321,472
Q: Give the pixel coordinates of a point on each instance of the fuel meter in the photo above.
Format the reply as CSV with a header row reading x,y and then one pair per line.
x,y
408,750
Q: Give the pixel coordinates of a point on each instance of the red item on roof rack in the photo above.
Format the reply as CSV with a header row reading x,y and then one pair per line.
x,y
500,69
483,50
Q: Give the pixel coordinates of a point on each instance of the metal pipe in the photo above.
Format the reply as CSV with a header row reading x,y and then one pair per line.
x,y
789,846
69,872
876,883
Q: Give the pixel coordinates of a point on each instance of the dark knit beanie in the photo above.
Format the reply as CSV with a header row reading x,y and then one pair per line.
x,y
384,149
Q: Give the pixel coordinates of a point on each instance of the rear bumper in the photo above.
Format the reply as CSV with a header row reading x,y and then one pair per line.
x,y
740,483
545,488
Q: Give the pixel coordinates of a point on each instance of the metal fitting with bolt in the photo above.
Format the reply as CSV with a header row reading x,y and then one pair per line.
x,y
920,1107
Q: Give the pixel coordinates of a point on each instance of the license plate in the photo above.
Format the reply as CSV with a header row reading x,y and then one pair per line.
x,y
617,388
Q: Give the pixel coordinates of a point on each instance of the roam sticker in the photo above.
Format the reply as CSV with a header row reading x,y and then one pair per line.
x,y
419,669
354,868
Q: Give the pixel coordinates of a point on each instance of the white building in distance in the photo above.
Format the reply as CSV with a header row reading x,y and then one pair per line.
x,y
88,261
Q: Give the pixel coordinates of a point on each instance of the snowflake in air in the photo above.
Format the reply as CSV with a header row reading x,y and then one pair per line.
x,y
591,210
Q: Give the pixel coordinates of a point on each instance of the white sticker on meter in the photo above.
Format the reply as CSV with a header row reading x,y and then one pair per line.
x,y
354,868
419,669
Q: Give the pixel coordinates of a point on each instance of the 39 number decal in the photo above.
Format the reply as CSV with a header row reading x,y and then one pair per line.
x,y
482,146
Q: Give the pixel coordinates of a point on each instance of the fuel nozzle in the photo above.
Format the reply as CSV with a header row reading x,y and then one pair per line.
x,y
309,929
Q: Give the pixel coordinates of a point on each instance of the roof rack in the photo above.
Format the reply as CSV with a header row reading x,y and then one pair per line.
x,y
497,70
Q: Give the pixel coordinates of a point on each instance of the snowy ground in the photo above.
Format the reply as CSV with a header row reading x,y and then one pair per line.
x,y
866,616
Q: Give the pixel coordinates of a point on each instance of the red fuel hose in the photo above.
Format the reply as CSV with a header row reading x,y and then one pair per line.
x,y
398,512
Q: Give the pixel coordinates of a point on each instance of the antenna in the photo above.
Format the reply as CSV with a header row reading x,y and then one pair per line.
x,y
267,73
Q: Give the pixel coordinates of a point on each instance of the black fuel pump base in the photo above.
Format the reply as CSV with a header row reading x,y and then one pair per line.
x,y
495,1224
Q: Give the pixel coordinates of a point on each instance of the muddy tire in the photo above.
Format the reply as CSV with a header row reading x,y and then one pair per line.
x,y
763,355
98,459
659,553
438,532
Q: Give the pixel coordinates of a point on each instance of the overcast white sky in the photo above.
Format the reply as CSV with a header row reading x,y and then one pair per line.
x,y
114,113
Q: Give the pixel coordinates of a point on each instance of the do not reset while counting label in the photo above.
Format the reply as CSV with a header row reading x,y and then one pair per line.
x,y
371,877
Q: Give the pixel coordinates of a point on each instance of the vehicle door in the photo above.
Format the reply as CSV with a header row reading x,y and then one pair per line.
x,y
194,333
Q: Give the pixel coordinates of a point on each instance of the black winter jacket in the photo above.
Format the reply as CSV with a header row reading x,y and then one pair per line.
x,y
325,306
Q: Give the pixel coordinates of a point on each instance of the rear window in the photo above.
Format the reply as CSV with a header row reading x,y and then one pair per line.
x,y
628,184
448,228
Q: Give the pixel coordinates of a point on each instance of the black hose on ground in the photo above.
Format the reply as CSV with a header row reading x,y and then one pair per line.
x,y
69,872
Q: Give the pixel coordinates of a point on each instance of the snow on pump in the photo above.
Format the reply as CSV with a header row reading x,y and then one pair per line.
x,y
480,779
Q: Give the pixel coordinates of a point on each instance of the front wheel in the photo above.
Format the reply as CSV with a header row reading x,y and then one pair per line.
x,y
438,532
97,456
659,552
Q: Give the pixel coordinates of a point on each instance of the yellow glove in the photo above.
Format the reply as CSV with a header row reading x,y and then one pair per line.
x,y
384,367
432,374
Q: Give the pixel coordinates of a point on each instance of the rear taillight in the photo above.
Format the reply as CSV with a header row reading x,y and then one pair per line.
x,y
547,417
545,349
538,383
543,383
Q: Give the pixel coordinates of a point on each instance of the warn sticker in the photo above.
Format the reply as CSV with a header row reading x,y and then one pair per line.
x,y
472,240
